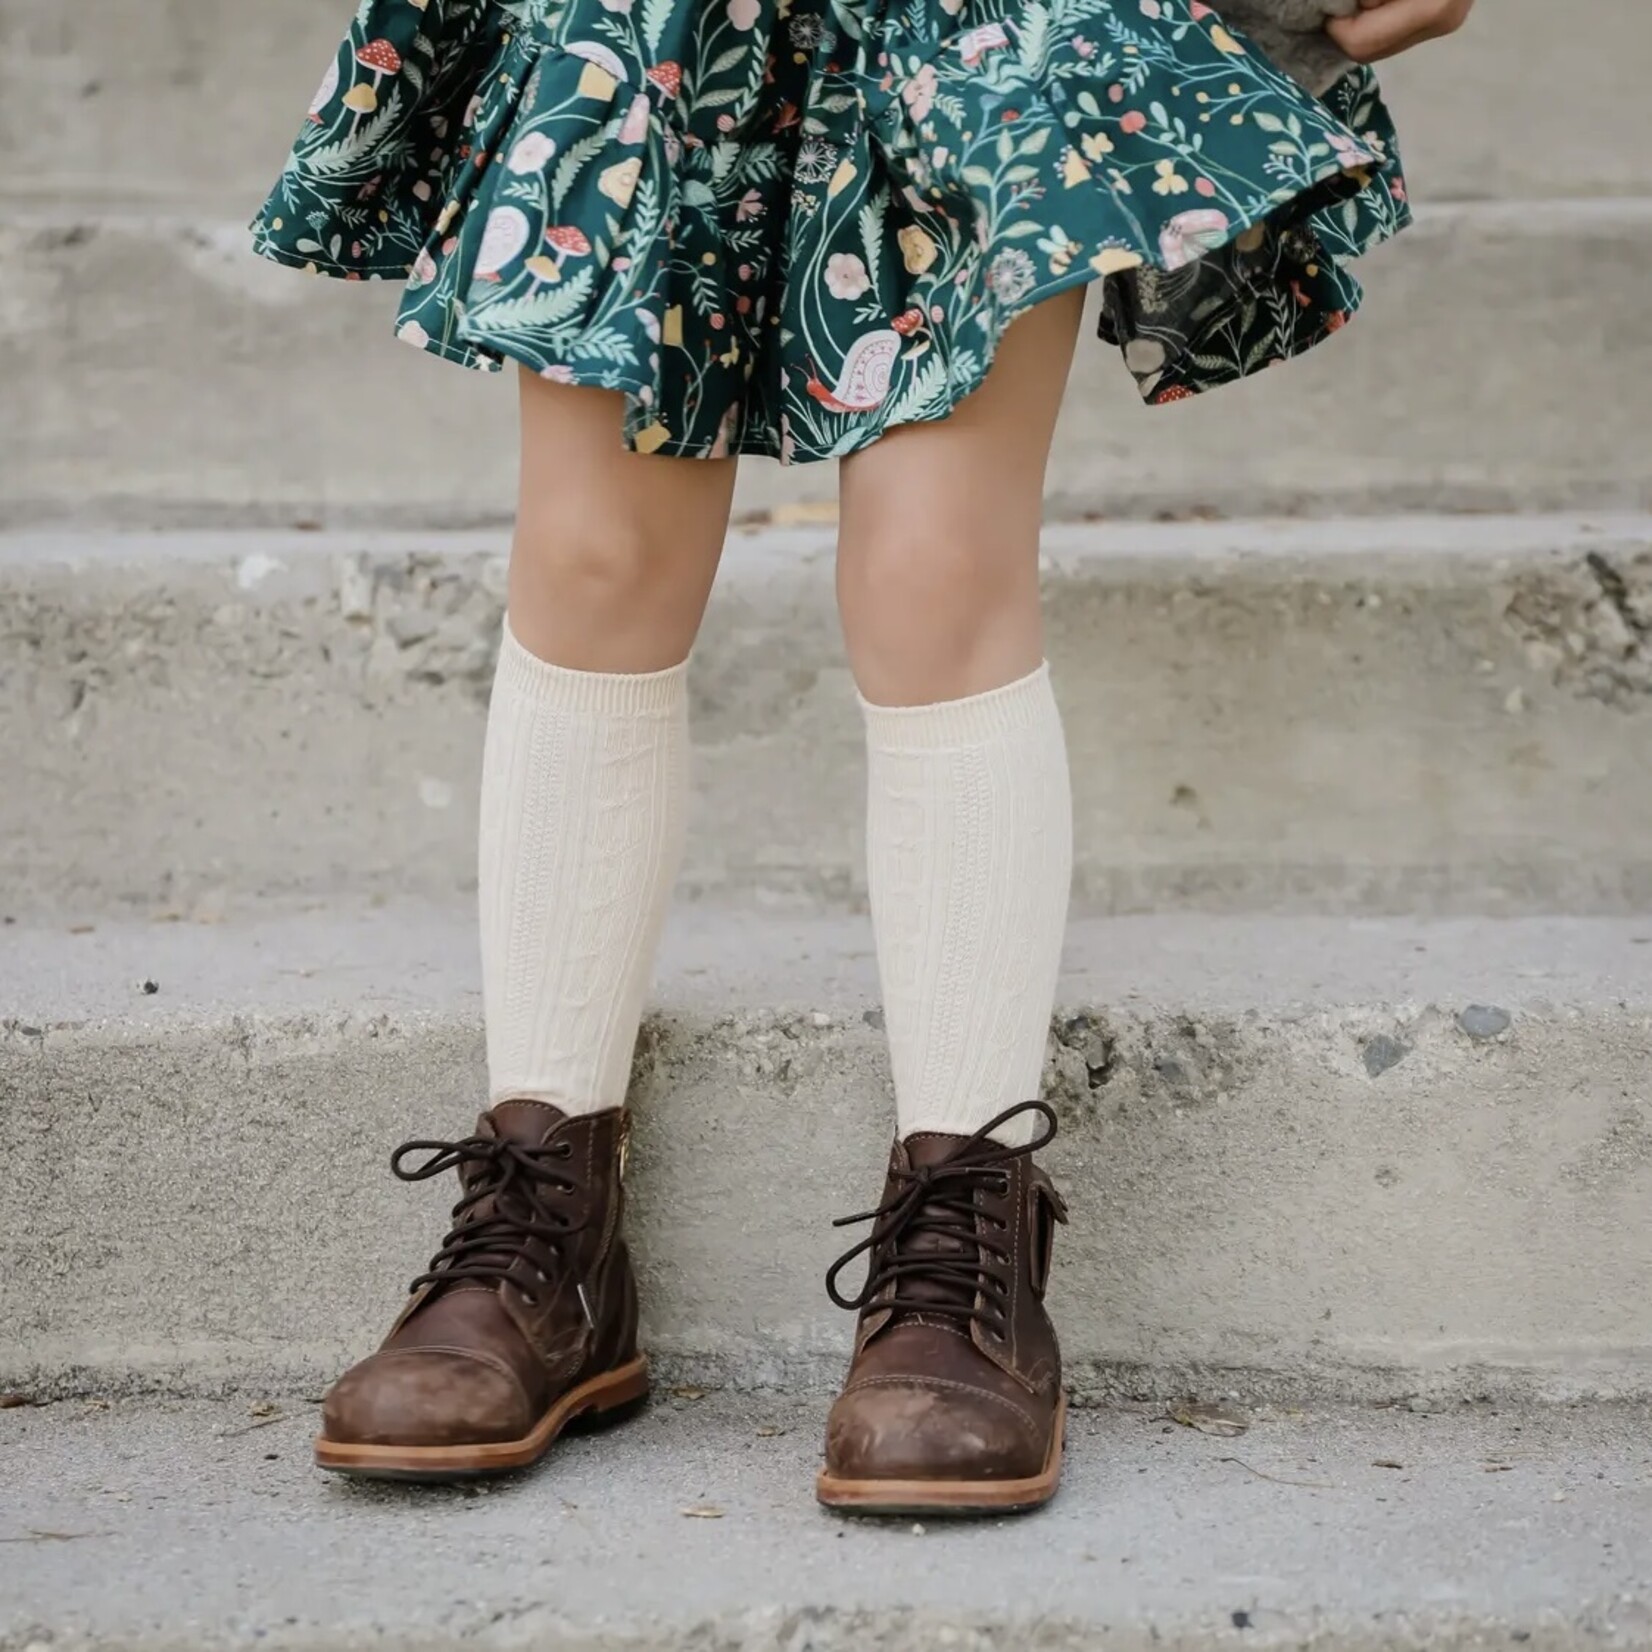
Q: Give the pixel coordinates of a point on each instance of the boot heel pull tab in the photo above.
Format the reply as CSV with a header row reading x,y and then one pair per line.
x,y
1058,1205
1048,1208
624,1145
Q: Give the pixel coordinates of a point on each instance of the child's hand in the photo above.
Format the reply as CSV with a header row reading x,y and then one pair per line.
x,y
1383,27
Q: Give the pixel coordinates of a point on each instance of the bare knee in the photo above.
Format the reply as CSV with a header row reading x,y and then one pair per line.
x,y
605,589
935,611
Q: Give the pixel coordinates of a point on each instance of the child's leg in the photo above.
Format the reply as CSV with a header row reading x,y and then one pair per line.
x,y
953,1400
527,1316
969,818
585,775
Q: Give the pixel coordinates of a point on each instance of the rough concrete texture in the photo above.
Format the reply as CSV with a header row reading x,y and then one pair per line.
x,y
153,371
170,1526
1403,715
126,100
1342,1158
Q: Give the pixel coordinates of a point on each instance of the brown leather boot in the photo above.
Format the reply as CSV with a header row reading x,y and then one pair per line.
x,y
526,1319
953,1402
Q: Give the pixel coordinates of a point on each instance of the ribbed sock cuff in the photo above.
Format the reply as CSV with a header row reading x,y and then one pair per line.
x,y
613,693
1012,708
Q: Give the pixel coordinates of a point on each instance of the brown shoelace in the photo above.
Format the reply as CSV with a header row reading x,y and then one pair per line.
x,y
925,1240
506,1204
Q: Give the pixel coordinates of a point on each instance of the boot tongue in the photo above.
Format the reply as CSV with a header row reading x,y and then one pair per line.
x,y
931,1147
923,1152
526,1123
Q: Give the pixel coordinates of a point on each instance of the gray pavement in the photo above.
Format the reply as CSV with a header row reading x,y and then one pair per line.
x,y
151,1526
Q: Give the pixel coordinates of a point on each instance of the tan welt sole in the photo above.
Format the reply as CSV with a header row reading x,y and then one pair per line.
x,y
604,1398
950,1496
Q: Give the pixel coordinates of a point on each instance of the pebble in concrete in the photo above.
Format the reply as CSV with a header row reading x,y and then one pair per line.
x,y
1483,1021
1383,1052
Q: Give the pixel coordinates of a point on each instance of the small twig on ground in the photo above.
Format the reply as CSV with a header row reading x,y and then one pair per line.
x,y
247,1428
1304,1485
52,1537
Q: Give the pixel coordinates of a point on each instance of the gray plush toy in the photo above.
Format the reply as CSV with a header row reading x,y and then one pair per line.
x,y
1292,33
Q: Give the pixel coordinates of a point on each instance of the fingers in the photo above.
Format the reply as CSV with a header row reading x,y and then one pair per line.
x,y
1385,27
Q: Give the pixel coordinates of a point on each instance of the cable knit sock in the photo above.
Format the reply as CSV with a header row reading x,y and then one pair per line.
x,y
969,847
584,802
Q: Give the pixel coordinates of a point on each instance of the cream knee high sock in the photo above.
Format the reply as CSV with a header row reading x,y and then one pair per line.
x,y
969,841
584,800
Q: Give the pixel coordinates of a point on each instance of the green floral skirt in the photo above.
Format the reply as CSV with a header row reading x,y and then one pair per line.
x,y
784,226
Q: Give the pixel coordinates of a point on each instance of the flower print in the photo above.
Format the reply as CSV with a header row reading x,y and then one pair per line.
x,y
791,285
816,161
619,181
531,153
1169,180
918,94
1010,275
1113,260
846,276
1190,235
1348,151
974,44
918,248
423,271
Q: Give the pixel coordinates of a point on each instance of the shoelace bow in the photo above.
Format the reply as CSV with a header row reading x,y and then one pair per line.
x,y
520,1182
937,1202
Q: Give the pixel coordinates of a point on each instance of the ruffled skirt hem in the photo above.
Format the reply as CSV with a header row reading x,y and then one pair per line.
x,y
793,276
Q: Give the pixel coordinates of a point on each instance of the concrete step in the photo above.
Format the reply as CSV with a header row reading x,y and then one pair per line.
x,y
197,1525
152,372
1415,715
1353,1159
129,99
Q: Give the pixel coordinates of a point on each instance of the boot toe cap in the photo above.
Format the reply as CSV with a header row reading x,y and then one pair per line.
x,y
918,1429
425,1397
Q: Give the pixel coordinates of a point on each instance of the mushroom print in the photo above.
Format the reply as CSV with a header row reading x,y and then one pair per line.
x,y
381,57
786,226
568,243
668,77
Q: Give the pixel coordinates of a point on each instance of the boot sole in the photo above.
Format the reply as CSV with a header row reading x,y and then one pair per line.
x,y
950,1497
608,1398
